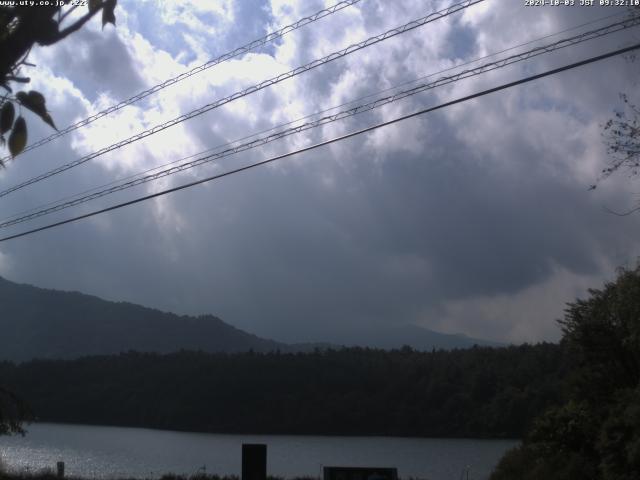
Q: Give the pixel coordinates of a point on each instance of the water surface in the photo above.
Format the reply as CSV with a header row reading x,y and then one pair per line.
x,y
112,452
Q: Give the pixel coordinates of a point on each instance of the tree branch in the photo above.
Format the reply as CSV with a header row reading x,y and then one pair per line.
x,y
66,14
13,78
75,26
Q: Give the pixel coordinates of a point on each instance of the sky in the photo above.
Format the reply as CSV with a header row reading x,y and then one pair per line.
x,y
474,219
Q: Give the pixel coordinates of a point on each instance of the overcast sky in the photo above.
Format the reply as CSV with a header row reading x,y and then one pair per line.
x,y
476,219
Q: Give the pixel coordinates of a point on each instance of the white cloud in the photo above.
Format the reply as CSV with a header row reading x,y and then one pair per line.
x,y
530,315
193,14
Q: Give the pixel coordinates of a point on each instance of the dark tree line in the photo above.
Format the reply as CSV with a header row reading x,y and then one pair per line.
x,y
478,392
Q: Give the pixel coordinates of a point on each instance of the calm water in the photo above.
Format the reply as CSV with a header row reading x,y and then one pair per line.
x,y
107,452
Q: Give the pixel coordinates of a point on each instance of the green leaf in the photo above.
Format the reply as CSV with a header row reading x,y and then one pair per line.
x,y
18,137
108,15
36,102
7,114
36,99
49,121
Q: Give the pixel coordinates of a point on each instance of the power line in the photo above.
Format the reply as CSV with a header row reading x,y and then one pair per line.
x,y
315,114
266,83
328,142
334,107
194,71
501,63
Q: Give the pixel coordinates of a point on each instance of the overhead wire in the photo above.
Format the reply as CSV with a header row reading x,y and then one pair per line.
x,y
194,71
259,141
255,88
331,141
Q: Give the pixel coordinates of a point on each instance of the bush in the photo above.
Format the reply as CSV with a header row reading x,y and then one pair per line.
x,y
596,433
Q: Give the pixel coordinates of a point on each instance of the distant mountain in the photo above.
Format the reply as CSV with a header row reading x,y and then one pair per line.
x,y
52,324
418,338
39,323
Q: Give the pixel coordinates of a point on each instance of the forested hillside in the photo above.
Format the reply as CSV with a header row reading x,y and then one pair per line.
x,y
478,392
40,323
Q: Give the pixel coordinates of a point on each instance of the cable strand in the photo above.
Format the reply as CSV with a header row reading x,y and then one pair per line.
x,y
260,141
194,71
242,93
328,142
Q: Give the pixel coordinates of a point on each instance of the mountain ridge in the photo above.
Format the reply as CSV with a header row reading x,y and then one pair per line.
x,y
46,323
53,324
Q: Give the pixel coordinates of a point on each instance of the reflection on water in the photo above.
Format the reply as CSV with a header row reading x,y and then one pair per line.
x,y
112,452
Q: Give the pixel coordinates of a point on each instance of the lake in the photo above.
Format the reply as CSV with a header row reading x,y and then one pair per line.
x,y
108,452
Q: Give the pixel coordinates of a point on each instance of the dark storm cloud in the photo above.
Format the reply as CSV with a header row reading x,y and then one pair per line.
x,y
474,212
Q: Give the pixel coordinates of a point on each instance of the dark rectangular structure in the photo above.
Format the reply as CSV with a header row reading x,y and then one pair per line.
x,y
359,473
254,461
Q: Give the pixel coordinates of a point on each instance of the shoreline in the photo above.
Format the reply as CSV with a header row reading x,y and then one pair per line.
x,y
261,434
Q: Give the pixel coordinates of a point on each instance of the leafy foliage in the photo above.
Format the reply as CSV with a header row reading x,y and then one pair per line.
x,y
13,411
596,433
7,114
22,27
35,102
18,137
622,136
108,15
623,139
